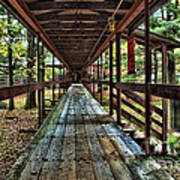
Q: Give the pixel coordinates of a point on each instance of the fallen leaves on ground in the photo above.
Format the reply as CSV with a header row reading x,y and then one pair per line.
x,y
13,143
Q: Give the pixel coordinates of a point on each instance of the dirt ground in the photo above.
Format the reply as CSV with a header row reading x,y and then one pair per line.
x,y
12,142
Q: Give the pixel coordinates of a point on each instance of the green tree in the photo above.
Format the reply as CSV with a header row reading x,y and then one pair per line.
x,y
12,48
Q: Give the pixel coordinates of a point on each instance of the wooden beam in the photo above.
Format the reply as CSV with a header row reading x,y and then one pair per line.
x,y
85,11
160,90
77,5
40,116
133,12
74,38
148,66
118,76
53,79
111,77
72,32
164,102
71,24
102,77
127,19
8,92
78,35
76,17
154,6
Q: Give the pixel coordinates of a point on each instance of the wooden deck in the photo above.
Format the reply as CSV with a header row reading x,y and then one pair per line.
x,y
79,140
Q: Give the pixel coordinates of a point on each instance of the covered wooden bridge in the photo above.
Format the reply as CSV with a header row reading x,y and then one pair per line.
x,y
78,139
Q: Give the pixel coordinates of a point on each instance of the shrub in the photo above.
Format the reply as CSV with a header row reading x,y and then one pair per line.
x,y
3,105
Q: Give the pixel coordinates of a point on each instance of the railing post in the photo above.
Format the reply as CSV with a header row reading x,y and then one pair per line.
x,y
111,77
101,95
118,76
98,76
148,79
165,104
43,79
39,80
53,78
59,89
93,81
63,79
156,67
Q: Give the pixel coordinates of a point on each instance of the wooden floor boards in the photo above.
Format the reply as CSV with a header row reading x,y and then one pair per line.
x,y
82,143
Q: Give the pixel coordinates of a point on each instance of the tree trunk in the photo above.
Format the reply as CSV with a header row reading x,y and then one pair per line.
x,y
176,6
162,13
10,57
31,97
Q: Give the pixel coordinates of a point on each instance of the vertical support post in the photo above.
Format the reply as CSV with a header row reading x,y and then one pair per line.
x,y
98,76
156,67
92,83
39,80
118,75
101,88
93,80
53,78
63,78
10,65
43,79
111,77
164,103
148,79
60,71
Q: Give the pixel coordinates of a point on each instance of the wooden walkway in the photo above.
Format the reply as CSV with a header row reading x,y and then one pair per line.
x,y
80,141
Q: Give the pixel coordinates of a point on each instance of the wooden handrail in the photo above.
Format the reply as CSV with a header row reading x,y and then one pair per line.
x,y
12,91
169,91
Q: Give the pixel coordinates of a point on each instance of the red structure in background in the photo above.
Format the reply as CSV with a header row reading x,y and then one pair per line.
x,y
131,55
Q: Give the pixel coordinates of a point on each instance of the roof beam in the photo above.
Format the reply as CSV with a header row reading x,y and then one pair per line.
x,y
60,25
133,12
46,5
55,11
80,17
74,38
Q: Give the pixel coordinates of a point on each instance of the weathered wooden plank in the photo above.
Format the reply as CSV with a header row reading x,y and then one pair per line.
x,y
130,143
52,160
83,156
20,164
40,154
67,167
77,145
119,169
101,167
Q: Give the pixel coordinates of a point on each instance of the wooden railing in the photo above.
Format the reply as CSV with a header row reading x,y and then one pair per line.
x,y
8,92
129,91
169,91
